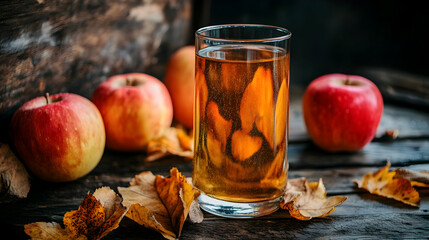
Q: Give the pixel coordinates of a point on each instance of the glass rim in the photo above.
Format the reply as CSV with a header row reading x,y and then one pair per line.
x,y
287,33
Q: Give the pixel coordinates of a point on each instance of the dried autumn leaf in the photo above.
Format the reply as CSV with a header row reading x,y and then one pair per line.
x,y
218,125
281,114
49,231
214,149
195,213
14,179
97,215
277,172
243,146
418,179
177,195
185,140
144,205
392,134
257,105
384,183
175,141
306,200
160,203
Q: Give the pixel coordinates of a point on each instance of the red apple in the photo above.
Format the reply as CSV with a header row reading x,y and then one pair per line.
x,y
342,112
60,137
136,108
179,80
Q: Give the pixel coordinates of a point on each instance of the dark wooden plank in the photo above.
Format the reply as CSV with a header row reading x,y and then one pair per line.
x,y
399,153
400,86
394,226
374,227
48,202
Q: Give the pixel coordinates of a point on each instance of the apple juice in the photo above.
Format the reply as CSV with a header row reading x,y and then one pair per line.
x,y
241,122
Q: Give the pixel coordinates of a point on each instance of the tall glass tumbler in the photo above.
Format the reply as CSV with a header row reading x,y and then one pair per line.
x,y
241,118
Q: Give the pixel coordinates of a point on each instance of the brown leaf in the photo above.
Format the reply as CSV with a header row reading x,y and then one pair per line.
x,y
49,231
97,215
14,179
220,127
257,104
214,150
175,141
185,140
195,214
144,205
160,203
281,113
418,179
384,183
392,134
306,200
177,196
243,145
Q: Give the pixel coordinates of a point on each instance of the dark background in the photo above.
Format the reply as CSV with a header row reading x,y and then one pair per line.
x,y
336,36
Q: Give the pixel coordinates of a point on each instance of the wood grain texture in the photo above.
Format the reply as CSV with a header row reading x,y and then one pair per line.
x,y
72,46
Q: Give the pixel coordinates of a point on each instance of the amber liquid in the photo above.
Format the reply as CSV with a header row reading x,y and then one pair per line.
x,y
241,122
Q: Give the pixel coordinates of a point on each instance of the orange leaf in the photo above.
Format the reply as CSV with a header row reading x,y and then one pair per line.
x,y
257,105
308,200
49,231
384,183
144,205
418,179
185,140
214,149
97,215
161,203
277,171
175,141
219,126
177,196
243,146
281,114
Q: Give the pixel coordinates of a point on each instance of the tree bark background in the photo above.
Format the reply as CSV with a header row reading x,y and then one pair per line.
x,y
73,45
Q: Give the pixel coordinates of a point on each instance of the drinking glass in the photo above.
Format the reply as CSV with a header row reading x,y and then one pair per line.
x,y
241,118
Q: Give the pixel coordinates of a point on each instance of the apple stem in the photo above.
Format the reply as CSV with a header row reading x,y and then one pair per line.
x,y
48,99
347,82
130,82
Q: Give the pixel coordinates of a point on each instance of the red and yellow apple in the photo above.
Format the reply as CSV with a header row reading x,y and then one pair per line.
x,y
136,108
342,112
179,80
60,137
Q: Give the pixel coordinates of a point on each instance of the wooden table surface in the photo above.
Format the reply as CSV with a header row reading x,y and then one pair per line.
x,y
362,216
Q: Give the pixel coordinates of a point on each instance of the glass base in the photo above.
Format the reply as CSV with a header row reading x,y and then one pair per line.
x,y
237,210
